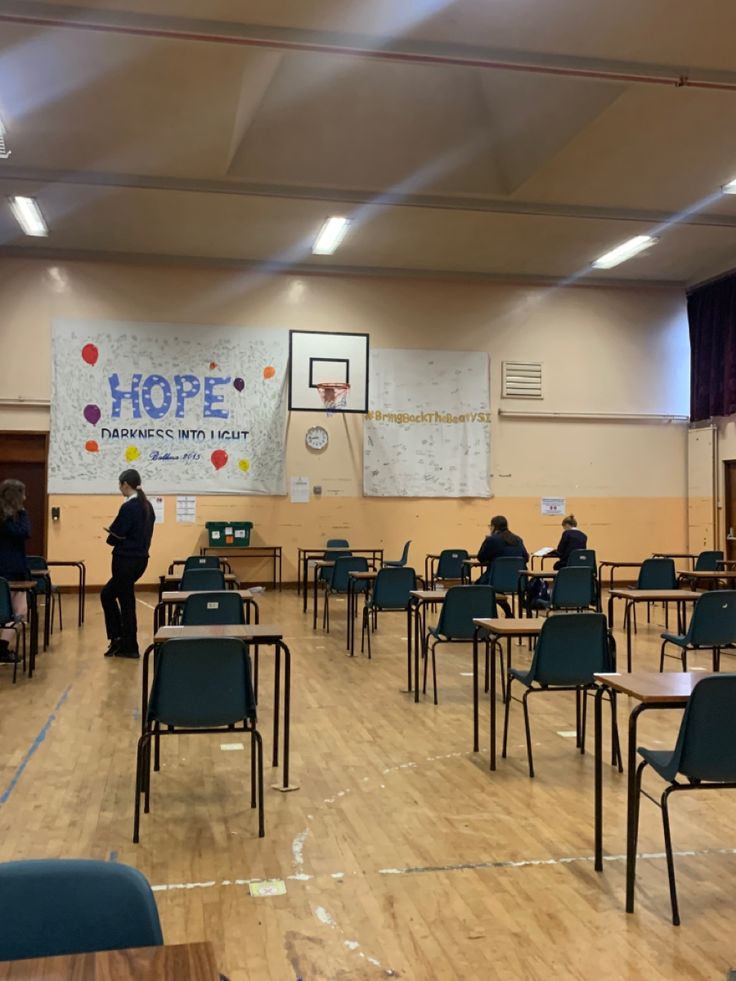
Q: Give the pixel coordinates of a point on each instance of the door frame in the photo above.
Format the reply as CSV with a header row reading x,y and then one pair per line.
x,y
42,435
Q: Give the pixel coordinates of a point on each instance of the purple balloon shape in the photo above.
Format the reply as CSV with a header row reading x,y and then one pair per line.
x,y
239,384
92,414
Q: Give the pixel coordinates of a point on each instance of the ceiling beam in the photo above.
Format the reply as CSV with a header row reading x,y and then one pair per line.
x,y
69,17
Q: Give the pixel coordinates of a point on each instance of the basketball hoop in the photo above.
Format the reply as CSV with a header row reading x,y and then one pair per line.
x,y
333,394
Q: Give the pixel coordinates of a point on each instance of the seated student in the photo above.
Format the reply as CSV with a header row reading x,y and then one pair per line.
x,y
15,529
501,543
572,539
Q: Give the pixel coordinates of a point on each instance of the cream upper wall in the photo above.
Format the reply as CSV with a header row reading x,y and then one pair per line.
x,y
603,350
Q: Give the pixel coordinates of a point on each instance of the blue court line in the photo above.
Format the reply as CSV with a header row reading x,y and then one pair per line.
x,y
34,746
113,857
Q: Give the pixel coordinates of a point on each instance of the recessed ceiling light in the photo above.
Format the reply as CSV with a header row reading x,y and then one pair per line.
x,y
624,251
729,188
28,215
330,235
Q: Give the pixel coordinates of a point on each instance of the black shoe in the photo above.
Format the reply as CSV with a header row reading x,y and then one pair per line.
x,y
113,648
130,654
8,657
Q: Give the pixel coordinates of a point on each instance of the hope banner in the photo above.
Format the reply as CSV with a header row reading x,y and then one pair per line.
x,y
194,409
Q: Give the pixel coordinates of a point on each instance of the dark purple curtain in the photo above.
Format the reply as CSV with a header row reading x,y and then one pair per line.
x,y
711,312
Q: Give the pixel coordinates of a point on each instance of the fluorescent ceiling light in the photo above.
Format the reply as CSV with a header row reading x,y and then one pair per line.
x,y
729,188
624,251
330,235
28,215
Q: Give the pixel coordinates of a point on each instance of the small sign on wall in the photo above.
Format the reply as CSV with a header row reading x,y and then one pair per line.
x,y
553,505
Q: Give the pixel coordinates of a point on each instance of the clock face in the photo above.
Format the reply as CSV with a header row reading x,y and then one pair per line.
x,y
317,438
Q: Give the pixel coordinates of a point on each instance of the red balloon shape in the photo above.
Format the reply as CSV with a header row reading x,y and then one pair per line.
x,y
90,354
219,459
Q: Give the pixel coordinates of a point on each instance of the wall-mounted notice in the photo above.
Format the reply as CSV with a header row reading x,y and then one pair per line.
x,y
201,409
428,430
186,510
300,490
553,505
159,508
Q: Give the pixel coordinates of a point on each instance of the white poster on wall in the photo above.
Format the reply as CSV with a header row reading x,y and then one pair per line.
x,y
194,409
427,433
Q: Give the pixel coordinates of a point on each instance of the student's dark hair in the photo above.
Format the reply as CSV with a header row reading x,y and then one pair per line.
x,y
11,497
570,520
133,479
500,526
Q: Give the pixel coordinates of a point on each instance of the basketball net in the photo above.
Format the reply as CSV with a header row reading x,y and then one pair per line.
x,y
334,395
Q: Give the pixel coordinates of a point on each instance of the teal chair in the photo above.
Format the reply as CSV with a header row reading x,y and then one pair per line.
x,y
712,626
461,606
450,565
400,563
338,582
213,608
583,556
198,580
653,574
573,589
199,686
570,650
391,593
337,543
45,588
709,561
203,562
704,754
54,907
8,622
503,576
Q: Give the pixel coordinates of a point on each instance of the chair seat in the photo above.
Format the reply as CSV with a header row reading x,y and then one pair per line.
x,y
678,639
525,677
660,760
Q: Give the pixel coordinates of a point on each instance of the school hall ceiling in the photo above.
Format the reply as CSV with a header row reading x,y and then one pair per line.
x,y
513,139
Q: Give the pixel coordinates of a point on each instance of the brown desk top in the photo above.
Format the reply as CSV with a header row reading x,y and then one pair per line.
x,y
541,574
370,574
654,686
181,595
703,574
25,585
511,626
179,962
241,631
615,565
656,595
428,594
177,577
673,555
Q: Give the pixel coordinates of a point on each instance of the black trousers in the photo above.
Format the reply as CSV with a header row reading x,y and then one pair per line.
x,y
118,600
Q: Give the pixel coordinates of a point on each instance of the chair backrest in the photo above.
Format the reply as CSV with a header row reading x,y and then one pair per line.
x,y
713,623
450,564
462,604
202,562
571,649
657,574
337,543
504,573
405,554
392,587
706,744
325,572
202,579
6,605
573,587
74,906
34,562
583,556
203,608
202,683
708,561
345,564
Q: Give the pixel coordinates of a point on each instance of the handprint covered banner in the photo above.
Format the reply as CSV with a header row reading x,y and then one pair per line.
x,y
194,409
428,428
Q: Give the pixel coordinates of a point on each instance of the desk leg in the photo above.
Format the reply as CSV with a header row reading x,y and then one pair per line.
x,y
610,612
631,805
628,636
305,581
408,647
46,610
599,780
33,624
314,597
475,691
417,644
83,589
285,785
349,615
276,703
494,648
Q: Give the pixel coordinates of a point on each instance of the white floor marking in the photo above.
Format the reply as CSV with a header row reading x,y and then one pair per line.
x,y
143,603
567,733
230,747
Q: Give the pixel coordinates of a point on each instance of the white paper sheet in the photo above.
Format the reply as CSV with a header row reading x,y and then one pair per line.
x,y
300,490
159,509
186,510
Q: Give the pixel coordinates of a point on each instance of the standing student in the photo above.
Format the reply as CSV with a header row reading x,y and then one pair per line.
x,y
572,539
501,543
15,530
130,536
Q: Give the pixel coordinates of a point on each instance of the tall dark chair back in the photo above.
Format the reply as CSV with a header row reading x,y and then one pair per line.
x,y
504,573
337,543
6,606
392,588
34,563
202,579
571,649
713,622
205,608
344,565
708,561
657,574
706,744
583,556
74,906
202,562
450,563
404,556
573,588
336,552
462,604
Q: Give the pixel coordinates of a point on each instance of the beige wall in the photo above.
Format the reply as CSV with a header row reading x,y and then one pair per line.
x,y
603,350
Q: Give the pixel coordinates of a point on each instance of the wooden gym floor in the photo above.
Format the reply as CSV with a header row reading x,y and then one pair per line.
x,y
402,855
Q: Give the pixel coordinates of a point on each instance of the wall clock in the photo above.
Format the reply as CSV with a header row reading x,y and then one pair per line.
x,y
317,438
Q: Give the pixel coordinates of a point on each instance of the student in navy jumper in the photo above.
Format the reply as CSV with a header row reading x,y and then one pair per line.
x,y
130,536
15,530
572,539
500,543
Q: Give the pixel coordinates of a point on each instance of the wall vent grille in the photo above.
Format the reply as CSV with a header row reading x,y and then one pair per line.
x,y
522,380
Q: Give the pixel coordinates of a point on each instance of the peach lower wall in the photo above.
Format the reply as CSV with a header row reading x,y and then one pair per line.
x,y
619,528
